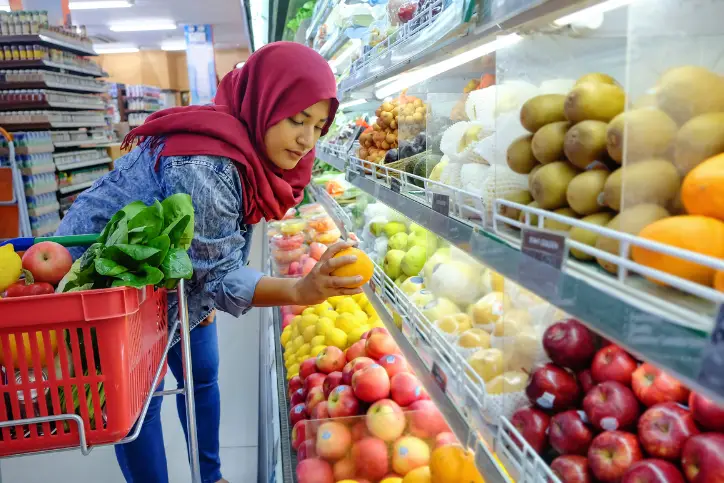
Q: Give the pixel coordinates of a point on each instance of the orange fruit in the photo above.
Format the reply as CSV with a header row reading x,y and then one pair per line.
x,y
362,267
14,353
418,475
699,234
453,464
719,280
702,191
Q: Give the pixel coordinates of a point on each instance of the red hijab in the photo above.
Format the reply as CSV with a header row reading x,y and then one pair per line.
x,y
276,82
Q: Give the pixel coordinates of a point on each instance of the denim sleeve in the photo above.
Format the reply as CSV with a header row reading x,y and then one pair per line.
x,y
218,249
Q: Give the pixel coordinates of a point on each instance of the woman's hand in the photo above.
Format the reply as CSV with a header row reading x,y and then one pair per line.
x,y
318,285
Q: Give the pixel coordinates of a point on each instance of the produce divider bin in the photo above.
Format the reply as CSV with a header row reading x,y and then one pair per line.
x,y
86,371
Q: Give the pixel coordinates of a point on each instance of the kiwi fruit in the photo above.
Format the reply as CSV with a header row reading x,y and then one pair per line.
x,y
547,144
655,181
533,217
595,101
585,143
588,237
689,91
556,225
522,197
541,110
597,77
648,132
632,221
549,184
531,174
584,192
700,138
520,156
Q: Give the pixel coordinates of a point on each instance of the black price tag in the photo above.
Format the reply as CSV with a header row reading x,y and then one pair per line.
x,y
440,376
547,246
395,185
441,203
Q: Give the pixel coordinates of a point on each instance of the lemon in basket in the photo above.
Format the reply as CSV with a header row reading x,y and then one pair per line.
x,y
28,354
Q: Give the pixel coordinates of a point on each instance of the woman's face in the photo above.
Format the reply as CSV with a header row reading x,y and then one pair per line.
x,y
290,139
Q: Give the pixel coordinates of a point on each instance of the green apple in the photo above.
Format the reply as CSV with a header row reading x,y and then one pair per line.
x,y
400,280
394,227
423,239
377,227
392,265
398,241
415,228
414,260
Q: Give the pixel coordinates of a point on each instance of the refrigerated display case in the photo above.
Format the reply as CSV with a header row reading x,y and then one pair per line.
x,y
564,157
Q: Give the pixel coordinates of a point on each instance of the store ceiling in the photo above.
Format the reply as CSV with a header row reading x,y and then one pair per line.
x,y
226,16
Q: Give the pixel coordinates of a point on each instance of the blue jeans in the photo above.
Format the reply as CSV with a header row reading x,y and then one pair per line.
x,y
144,460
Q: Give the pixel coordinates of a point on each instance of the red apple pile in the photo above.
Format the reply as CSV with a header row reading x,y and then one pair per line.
x,y
362,414
606,418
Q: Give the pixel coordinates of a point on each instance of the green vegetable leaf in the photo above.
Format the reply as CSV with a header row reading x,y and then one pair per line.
x,y
162,243
119,235
176,229
177,264
146,224
110,226
132,209
175,207
147,275
131,256
109,268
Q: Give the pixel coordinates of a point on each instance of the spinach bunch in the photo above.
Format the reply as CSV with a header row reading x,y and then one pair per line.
x,y
141,245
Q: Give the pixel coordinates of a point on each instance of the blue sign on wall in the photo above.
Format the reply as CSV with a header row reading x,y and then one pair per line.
x,y
200,61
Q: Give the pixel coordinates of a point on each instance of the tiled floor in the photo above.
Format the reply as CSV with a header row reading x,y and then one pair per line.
x,y
238,377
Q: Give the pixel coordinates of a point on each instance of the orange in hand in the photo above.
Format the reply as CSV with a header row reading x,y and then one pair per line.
x,y
362,267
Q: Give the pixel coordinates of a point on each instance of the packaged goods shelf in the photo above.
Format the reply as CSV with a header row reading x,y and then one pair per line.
x,y
55,66
75,187
52,85
45,125
83,164
44,210
51,105
23,150
48,39
657,325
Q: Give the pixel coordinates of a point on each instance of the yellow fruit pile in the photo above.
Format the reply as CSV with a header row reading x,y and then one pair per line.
x,y
338,321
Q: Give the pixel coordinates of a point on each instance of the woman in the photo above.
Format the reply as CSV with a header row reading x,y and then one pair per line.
x,y
246,158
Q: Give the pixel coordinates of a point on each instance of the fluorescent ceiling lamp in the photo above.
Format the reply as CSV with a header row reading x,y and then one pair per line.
x,y
115,49
240,65
99,4
591,12
356,102
141,26
171,45
420,75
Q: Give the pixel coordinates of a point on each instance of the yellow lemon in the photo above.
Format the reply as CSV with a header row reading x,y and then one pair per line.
x,y
307,320
323,308
418,475
12,266
355,334
296,319
303,351
346,322
323,325
292,360
370,311
316,350
337,338
357,297
292,371
317,340
331,315
360,316
297,343
295,332
347,305
286,334
392,480
308,311
309,333
335,300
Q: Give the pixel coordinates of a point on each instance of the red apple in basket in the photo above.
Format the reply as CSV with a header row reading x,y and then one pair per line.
x,y
585,380
613,364
332,380
426,420
359,430
331,359
333,440
664,428
379,344
299,434
314,397
393,364
570,344
703,458
307,368
355,365
612,453
553,387
444,439
706,412
572,469
314,380
320,411
47,261
342,402
344,469
385,420
569,433
314,470
653,471
371,383
298,397
532,424
306,450
294,384
298,413
371,458
355,350
652,386
405,389
610,406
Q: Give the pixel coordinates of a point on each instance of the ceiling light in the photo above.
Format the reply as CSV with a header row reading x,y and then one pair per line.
x,y
408,79
93,5
115,48
591,12
140,26
356,102
171,45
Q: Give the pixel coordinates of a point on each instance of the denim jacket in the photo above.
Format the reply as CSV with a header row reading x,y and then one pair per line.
x,y
220,248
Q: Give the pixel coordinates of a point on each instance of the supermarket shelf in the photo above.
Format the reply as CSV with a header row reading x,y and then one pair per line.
x,y
48,40
320,18
19,106
44,210
83,164
36,191
129,111
51,85
35,149
333,45
47,64
48,168
288,460
36,126
75,187
332,154
88,143
46,230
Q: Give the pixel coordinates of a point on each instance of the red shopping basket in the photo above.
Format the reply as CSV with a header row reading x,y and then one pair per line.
x,y
78,345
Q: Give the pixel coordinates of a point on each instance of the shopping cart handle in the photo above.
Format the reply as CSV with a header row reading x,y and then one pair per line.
x,y
23,243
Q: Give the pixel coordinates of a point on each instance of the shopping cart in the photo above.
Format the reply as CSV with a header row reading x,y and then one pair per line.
x,y
88,366
14,219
